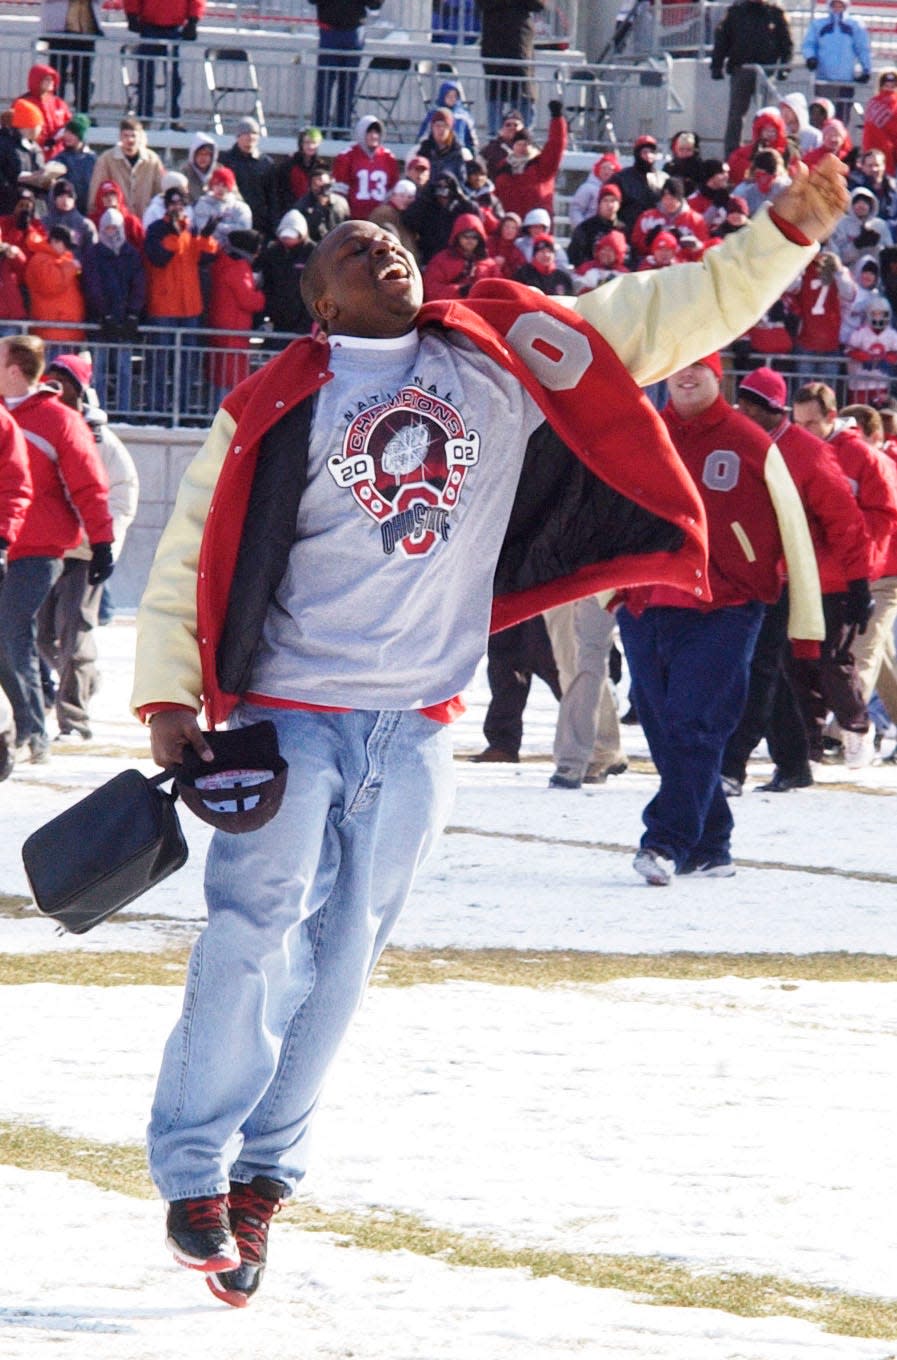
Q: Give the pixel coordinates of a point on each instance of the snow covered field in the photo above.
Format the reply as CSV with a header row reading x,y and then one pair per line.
x,y
727,1124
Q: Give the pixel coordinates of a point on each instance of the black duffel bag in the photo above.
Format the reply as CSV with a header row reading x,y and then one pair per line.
x,y
105,850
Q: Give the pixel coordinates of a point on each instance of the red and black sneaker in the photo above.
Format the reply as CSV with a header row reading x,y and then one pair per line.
x,y
251,1209
199,1234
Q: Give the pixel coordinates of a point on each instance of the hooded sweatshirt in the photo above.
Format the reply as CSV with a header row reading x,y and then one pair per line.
x,y
364,176
53,112
198,180
451,273
463,125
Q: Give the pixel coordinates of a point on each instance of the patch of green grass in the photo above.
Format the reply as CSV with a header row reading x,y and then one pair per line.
x,y
496,967
654,1280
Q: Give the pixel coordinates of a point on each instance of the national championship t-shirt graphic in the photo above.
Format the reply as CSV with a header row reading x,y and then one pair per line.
x,y
405,460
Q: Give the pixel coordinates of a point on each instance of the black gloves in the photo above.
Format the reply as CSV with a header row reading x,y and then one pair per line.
x,y
133,23
866,238
783,74
101,564
863,78
3,547
716,75
555,108
209,228
858,606
188,32
131,327
812,63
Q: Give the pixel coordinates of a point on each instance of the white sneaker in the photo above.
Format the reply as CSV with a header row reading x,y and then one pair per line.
x,y
859,748
654,867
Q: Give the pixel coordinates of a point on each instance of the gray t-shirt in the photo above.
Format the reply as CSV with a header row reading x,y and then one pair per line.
x,y
415,454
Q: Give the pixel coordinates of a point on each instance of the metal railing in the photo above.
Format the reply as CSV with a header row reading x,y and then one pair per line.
x,y
169,376
282,88
177,378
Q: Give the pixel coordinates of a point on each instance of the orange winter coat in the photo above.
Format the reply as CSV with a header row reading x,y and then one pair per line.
x,y
54,292
172,270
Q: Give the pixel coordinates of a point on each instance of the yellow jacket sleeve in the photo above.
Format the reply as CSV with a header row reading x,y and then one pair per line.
x,y
805,618
662,319
167,665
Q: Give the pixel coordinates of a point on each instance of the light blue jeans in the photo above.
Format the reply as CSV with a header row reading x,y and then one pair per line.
x,y
299,912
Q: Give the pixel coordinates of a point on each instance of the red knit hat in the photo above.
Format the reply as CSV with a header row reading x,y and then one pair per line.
x,y
713,362
767,386
611,191
222,174
77,366
665,238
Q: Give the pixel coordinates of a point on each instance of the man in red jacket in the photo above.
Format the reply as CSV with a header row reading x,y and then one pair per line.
x,y
526,179
70,492
689,655
842,556
830,683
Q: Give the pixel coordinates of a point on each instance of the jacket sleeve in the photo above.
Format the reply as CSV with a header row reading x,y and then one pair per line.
x,y
661,320
15,479
167,667
805,617
548,161
877,499
154,248
124,485
84,478
831,502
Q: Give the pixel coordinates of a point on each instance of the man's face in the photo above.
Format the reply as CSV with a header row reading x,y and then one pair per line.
x,y
175,209
758,413
608,207
476,179
669,204
419,174
692,390
648,154
128,140
372,138
309,146
810,416
202,158
720,180
832,139
509,127
874,165
441,132
543,255
371,283
248,143
70,140
70,394
8,376
321,187
65,202
789,118
861,208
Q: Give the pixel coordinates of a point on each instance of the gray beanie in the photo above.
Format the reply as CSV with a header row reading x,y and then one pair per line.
x,y
293,223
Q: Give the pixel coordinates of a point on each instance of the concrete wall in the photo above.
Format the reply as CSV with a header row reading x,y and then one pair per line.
x,y
161,457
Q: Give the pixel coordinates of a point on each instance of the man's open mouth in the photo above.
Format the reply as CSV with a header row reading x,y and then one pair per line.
x,y
393,271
